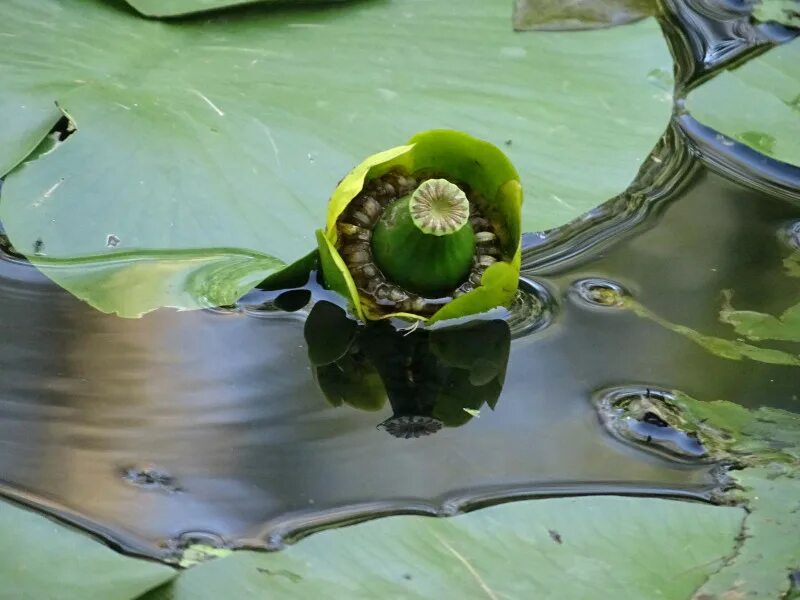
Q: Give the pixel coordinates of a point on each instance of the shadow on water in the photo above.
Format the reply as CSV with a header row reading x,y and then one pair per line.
x,y
250,425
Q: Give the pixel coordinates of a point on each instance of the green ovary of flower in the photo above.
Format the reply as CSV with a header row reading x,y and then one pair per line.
x,y
423,242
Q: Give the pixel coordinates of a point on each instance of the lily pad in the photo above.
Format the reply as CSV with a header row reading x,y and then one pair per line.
x,y
556,15
131,284
767,442
233,132
764,447
555,548
732,432
785,12
762,565
766,112
174,8
42,559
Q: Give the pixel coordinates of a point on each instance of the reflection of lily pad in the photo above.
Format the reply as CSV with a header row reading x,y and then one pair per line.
x,y
42,559
485,360
546,15
757,104
567,548
329,333
233,132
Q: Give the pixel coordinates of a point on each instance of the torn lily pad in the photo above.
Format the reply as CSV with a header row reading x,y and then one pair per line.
x,y
426,231
764,447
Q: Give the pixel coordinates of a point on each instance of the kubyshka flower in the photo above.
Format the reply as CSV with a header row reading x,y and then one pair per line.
x,y
426,231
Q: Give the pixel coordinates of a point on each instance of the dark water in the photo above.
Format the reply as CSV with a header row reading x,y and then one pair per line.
x,y
210,425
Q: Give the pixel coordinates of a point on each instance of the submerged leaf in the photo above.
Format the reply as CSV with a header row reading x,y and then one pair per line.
x,y
544,15
757,103
231,132
760,326
729,349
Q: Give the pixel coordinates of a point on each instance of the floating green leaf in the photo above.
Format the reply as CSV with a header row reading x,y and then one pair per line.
x,y
200,553
172,8
766,112
767,441
763,446
232,131
566,548
732,432
792,264
786,12
42,559
131,284
544,15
